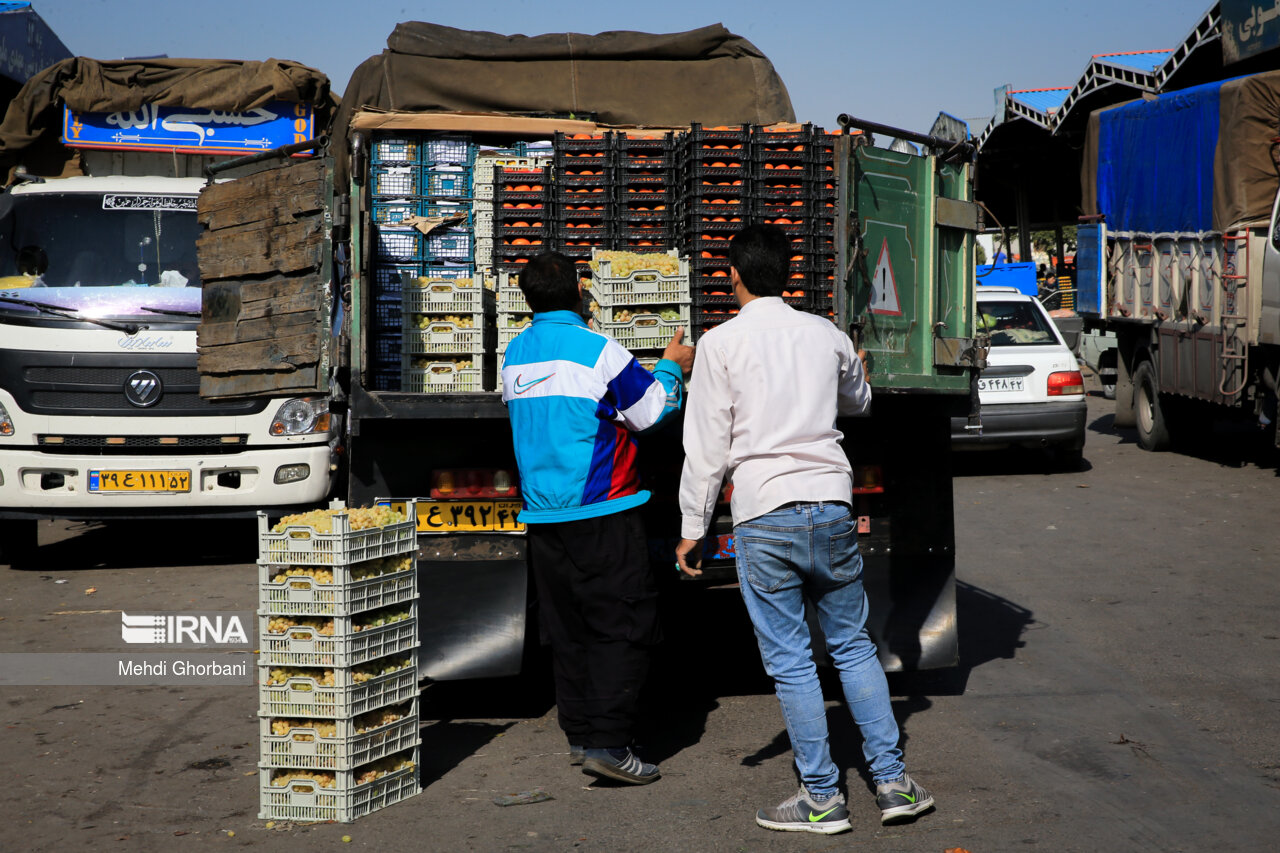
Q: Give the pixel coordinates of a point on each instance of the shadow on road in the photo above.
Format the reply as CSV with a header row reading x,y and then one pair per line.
x,y
146,544
1013,461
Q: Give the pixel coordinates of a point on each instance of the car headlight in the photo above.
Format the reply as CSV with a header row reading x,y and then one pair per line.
x,y
301,416
6,422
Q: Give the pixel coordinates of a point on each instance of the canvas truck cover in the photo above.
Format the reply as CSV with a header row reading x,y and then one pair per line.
x,y
708,75
1195,160
33,121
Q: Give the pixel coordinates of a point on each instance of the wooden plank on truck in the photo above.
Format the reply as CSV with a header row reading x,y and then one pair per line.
x,y
265,263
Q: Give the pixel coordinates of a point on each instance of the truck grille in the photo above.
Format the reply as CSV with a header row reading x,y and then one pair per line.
x,y
134,443
48,383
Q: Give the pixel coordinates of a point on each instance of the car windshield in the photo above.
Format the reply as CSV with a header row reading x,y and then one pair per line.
x,y
1014,323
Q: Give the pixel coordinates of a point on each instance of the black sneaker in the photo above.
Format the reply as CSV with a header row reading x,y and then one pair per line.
x,y
802,813
620,765
577,754
900,799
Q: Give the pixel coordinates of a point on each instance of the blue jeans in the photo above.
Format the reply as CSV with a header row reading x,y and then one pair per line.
x,y
810,550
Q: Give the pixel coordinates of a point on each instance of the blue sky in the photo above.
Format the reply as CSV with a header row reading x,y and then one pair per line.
x,y
898,63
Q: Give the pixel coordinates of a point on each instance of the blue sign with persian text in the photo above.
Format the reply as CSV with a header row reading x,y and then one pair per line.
x,y
191,131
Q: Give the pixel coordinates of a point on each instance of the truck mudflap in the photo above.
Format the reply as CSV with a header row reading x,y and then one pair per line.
x,y
472,605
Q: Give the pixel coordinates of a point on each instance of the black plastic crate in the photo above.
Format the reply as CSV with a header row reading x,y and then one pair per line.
x,y
705,225
762,135
781,154
698,134
706,189
566,194
387,278
647,195
774,190
600,233
530,217
594,215
386,346
563,142
384,313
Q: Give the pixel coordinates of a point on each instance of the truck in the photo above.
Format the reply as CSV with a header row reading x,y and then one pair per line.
x,y
102,414
1178,257
461,152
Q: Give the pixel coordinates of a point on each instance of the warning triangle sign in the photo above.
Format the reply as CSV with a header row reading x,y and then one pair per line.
x,y
884,288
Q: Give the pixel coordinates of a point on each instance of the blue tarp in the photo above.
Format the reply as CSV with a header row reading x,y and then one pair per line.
x,y
1155,162
1021,276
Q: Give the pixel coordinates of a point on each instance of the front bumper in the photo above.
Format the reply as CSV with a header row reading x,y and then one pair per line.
x,y
221,484
1059,424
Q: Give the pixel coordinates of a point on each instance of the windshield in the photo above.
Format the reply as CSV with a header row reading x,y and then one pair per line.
x,y
105,254
1014,323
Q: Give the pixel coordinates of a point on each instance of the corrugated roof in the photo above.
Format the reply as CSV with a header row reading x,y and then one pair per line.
x,y
1041,100
1143,60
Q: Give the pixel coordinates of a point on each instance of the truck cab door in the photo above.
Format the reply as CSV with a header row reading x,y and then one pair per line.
x,y
266,261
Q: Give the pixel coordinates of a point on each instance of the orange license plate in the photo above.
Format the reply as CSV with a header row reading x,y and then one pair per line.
x,y
161,482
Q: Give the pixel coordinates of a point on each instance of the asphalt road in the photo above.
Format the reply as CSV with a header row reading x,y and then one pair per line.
x,y
1119,690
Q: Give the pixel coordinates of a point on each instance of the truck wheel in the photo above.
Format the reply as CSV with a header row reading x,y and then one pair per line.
x,y
1153,429
19,542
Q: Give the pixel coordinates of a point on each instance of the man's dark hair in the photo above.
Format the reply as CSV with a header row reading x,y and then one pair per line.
x,y
550,283
760,255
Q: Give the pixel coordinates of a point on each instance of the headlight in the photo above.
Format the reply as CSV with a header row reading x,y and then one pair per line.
x,y
6,422
303,416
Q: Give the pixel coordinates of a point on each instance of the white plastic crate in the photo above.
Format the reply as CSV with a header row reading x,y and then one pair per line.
x,y
640,287
303,801
431,380
303,645
511,301
441,337
299,545
484,167
484,222
302,595
484,251
644,331
612,314
303,747
305,696
432,296
507,333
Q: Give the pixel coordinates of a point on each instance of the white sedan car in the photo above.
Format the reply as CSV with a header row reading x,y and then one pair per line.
x,y
1031,391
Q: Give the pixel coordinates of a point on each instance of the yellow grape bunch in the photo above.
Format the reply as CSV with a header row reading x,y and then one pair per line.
x,y
376,719
424,281
460,321
378,618
376,669
321,520
324,728
323,778
319,575
381,767
518,321
623,264
282,624
437,364
382,566
282,674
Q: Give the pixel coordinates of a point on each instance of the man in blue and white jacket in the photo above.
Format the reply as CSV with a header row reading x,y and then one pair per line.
x,y
576,399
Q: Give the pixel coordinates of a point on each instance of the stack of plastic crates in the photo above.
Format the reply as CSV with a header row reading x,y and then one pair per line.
x,y
640,300
584,179
519,156
716,202
338,670
394,186
782,189
444,335
449,250
822,288
521,215
646,189
513,315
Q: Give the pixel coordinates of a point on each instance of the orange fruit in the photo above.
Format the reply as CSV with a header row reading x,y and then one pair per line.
x,y
719,274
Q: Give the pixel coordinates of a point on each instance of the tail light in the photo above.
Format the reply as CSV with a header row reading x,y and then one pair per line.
x,y
868,480
464,483
1065,382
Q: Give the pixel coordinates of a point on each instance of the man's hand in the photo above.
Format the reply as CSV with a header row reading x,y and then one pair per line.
x,y
679,352
683,550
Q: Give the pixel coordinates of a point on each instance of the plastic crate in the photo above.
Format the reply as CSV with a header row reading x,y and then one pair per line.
x,y
387,277
506,333
450,244
440,378
397,245
646,331
304,646
304,595
386,346
302,747
451,149
385,380
565,143
699,134
485,169
304,801
510,297
300,545
450,181
599,233
386,313
395,211
448,269
483,223
442,295
390,149
446,207
305,696
484,251
397,180
442,337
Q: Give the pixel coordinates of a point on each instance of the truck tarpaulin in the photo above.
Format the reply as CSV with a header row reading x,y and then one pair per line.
x,y
707,75
89,86
1196,160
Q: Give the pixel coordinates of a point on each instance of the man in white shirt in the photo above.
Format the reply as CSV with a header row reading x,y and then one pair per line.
x,y
763,399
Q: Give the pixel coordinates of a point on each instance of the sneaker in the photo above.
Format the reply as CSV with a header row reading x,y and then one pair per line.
x,y
577,754
901,798
802,813
621,765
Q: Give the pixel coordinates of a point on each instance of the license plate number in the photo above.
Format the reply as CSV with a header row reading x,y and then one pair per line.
x,y
140,481
468,517
1000,383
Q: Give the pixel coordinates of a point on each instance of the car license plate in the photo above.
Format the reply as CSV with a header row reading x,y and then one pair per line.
x,y
164,482
468,517
1000,383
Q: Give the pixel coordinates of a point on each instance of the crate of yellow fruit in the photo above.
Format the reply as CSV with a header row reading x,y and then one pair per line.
x,y
340,590
337,641
302,795
337,536
630,278
306,744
